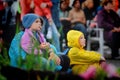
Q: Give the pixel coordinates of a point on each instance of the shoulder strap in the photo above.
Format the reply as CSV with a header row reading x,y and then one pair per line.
x,y
65,52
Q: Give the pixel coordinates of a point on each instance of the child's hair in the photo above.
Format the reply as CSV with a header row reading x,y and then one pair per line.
x,y
28,20
105,2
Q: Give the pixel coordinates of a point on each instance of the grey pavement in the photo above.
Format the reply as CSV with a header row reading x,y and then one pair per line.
x,y
107,55
114,62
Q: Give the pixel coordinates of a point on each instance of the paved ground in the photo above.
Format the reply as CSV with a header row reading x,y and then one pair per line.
x,y
107,55
115,62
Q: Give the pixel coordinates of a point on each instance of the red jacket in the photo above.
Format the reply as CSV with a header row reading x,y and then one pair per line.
x,y
43,11
1,5
25,7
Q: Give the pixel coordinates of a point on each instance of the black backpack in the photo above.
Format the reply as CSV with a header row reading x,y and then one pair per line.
x,y
65,61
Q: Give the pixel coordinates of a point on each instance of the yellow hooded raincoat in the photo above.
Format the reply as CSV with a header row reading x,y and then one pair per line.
x,y
80,58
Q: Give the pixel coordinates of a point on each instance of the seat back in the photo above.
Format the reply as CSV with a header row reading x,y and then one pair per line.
x,y
97,37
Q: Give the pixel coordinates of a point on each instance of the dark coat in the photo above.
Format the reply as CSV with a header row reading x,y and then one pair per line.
x,y
108,21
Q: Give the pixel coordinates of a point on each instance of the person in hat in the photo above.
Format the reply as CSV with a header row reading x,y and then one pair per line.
x,y
33,40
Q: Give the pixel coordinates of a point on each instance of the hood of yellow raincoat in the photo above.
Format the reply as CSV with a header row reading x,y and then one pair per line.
x,y
73,38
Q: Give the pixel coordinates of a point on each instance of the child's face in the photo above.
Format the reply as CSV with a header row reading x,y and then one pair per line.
x,y
37,25
82,41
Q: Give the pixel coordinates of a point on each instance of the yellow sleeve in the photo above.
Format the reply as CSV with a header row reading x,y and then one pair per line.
x,y
83,57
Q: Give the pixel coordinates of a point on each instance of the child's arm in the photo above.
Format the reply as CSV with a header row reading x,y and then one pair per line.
x,y
85,57
54,57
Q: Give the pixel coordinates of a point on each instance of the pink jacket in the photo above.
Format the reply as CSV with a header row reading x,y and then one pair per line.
x,y
28,41
43,11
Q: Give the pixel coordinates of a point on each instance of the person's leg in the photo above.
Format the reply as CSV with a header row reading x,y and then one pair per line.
x,y
45,26
56,36
65,62
115,44
66,27
55,15
54,31
56,20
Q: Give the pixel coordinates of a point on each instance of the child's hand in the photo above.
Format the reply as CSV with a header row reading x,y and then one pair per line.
x,y
50,21
44,45
54,57
47,45
43,5
116,29
32,5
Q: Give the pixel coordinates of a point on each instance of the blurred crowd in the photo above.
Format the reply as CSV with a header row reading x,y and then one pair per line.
x,y
104,13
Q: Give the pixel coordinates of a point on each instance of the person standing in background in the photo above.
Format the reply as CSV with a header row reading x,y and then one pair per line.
x,y
55,16
43,9
55,12
1,28
8,22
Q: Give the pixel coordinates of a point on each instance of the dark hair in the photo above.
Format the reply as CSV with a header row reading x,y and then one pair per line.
x,y
74,2
42,21
9,2
61,2
105,2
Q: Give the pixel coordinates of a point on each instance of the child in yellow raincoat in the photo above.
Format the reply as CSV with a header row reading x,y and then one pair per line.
x,y
81,59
